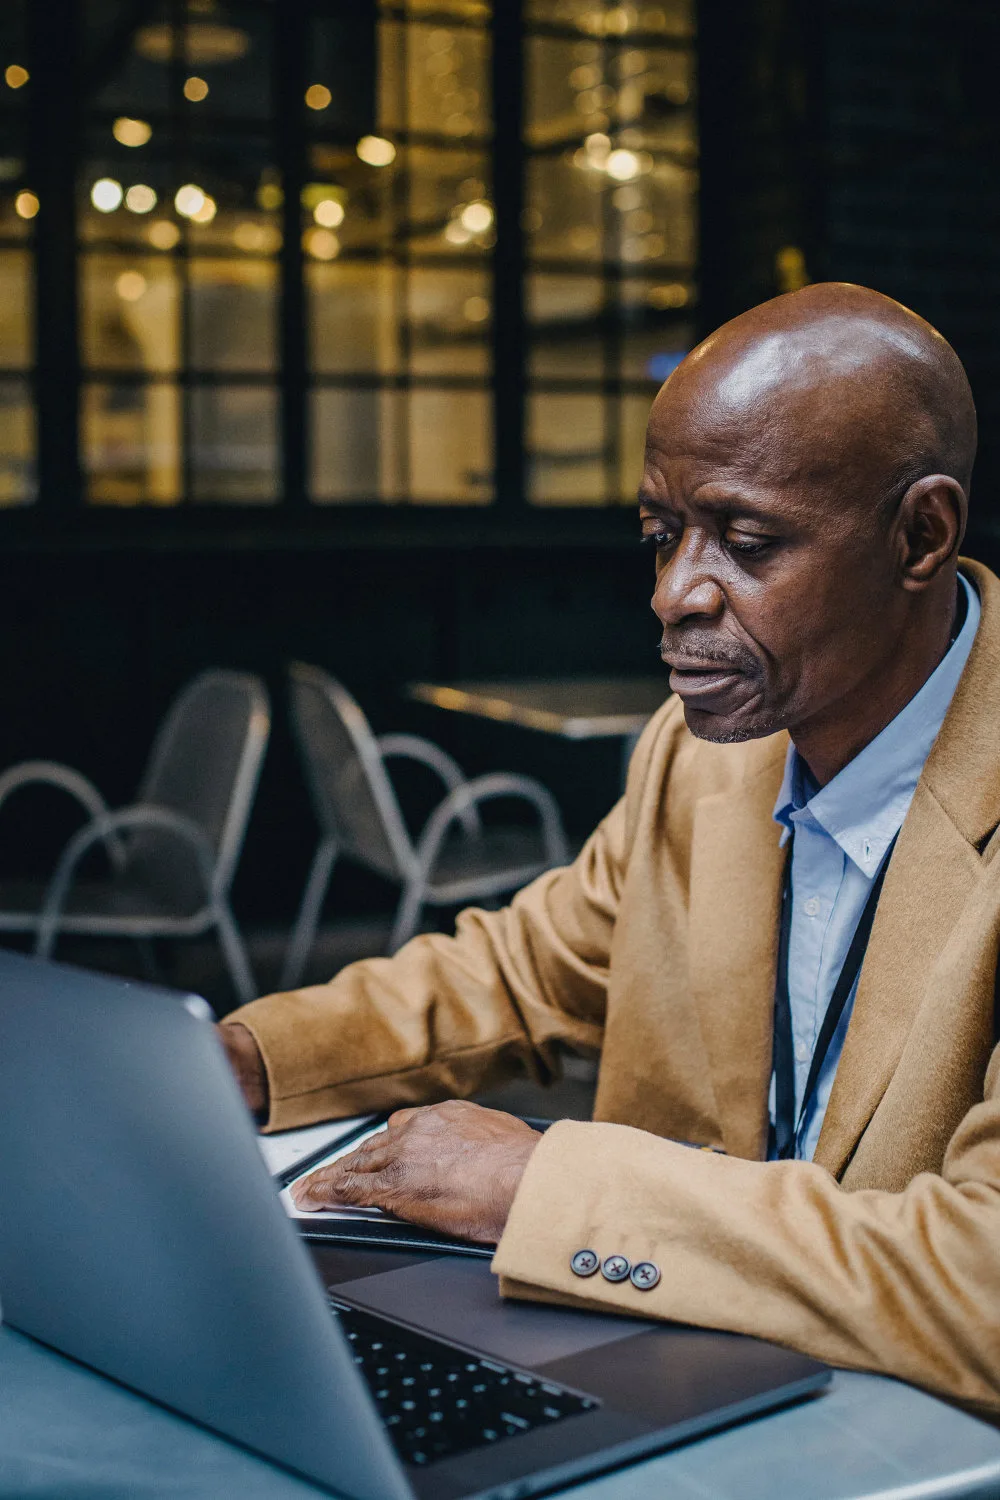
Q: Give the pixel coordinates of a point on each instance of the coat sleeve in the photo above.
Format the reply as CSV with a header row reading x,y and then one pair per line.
x,y
903,1283
449,1016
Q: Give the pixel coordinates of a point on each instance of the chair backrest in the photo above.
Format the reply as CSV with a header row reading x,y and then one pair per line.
x,y
350,788
205,764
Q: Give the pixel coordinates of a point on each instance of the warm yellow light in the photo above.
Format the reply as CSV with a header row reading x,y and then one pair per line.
x,y
476,309
269,196
106,195
163,234
207,212
256,238
623,165
456,233
674,294
195,89
321,244
140,198
189,200
26,205
129,132
329,213
376,151
598,147
477,217
130,286
318,96
16,76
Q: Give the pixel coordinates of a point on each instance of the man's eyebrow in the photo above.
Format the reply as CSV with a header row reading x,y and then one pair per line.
x,y
735,505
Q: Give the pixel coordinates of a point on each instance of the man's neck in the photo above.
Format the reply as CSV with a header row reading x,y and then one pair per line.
x,y
828,743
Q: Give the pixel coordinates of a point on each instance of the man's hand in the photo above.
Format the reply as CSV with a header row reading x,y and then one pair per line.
x,y
451,1167
247,1063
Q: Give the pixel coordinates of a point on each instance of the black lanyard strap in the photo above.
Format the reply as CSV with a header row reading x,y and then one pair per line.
x,y
786,1127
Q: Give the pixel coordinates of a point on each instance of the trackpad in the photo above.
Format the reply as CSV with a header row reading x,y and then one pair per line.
x,y
458,1299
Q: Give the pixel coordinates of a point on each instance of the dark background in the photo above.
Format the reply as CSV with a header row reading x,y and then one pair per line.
x,y
866,132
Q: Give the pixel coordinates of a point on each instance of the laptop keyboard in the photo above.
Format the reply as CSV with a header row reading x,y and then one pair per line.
x,y
436,1400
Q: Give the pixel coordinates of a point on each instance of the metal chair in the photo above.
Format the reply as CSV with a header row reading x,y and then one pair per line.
x,y
455,860
173,852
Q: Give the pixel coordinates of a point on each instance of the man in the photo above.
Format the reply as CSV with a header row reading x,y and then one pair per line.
x,y
836,682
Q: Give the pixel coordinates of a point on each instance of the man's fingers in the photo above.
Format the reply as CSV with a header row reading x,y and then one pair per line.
x,y
346,1189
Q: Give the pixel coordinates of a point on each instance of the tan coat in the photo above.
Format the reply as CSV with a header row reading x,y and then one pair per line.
x,y
656,949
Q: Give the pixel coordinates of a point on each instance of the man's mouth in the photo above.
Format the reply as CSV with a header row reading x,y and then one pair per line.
x,y
701,682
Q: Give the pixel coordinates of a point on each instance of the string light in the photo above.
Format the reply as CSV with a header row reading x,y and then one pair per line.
x,y
129,132
195,89
15,76
206,213
188,200
318,96
623,165
321,244
130,286
477,217
140,198
376,151
163,234
26,205
106,195
329,213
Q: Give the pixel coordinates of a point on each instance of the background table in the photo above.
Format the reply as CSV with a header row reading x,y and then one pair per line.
x,y
576,708
68,1434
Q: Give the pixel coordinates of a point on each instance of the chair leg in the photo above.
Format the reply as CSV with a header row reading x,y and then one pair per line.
x,y
303,934
407,915
235,954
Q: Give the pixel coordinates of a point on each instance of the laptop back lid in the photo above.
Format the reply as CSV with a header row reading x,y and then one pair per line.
x,y
140,1231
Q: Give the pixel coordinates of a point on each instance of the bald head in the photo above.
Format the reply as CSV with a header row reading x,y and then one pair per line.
x,y
805,488
834,380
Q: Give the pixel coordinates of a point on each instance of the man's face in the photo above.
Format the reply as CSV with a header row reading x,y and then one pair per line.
x,y
776,579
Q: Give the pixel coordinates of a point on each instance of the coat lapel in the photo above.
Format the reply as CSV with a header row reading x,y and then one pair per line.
x,y
935,866
736,872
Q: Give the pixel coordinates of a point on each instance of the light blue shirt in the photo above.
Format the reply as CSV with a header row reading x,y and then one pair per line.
x,y
842,832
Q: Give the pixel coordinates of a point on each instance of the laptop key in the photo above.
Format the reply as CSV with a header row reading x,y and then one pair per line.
x,y
437,1400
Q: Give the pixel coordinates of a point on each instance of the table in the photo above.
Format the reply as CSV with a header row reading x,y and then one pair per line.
x,y
68,1434
575,708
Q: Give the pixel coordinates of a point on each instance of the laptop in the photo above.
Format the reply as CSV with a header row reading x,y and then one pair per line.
x,y
141,1233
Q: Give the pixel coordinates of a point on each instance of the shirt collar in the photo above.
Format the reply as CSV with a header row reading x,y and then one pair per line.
x,y
863,807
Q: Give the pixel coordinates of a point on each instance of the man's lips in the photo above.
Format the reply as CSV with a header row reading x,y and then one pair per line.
x,y
698,681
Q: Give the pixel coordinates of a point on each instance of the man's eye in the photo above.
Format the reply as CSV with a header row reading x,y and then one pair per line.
x,y
658,539
748,546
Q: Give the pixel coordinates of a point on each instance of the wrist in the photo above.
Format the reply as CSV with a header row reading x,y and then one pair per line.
x,y
245,1059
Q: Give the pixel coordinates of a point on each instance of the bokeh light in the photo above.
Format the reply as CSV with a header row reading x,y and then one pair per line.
x,y
106,195
129,132
140,198
376,151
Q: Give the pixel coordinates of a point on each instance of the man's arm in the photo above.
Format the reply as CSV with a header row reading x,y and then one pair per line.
x,y
906,1284
446,1016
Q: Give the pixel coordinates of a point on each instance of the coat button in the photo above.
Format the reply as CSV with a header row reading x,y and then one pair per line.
x,y
584,1263
645,1275
615,1267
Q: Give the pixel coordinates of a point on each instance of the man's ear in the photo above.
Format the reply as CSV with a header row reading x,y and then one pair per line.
x,y
930,524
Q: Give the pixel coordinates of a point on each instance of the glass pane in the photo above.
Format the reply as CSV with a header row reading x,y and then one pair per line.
x,y
565,208
131,443
672,18
447,80
130,312
566,450
633,416
450,447
449,321
567,339
449,206
234,444
15,309
656,329
17,443
232,314
353,316
356,453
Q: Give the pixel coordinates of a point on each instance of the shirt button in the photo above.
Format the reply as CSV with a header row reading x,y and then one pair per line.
x,y
811,906
801,1052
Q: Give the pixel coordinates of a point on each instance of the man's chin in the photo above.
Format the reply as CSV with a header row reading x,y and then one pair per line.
x,y
728,729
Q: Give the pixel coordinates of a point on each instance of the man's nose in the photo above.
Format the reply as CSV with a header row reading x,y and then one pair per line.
x,y
687,586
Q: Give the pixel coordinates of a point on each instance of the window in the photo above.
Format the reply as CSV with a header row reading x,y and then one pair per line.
x,y
315,256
